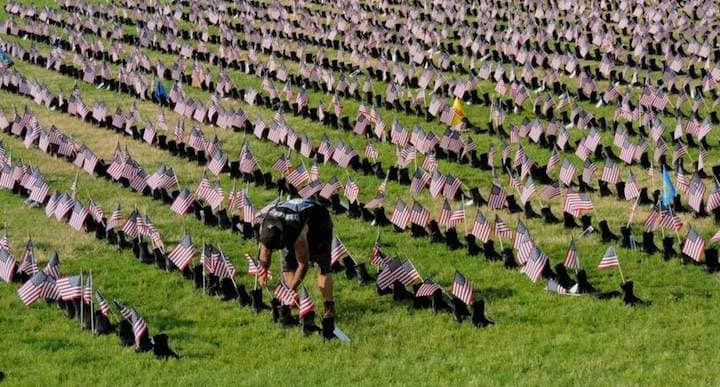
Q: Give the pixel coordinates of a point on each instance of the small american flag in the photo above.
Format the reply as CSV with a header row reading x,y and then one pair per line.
x,y
498,197
535,264
70,288
389,274
351,190
104,307
694,246
377,257
338,251
139,325
8,266
306,304
255,268
609,260
501,229
285,294
567,172
427,288
571,257
462,288
183,253
34,289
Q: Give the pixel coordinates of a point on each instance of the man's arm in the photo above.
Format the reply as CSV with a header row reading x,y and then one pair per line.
x,y
264,258
302,252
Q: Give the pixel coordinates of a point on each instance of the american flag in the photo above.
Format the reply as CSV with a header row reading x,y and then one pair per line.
x,y
609,260
631,188
70,288
713,201
104,307
64,205
248,162
535,264
218,162
7,266
452,185
670,220
298,177
182,202
115,218
575,203
330,187
427,288
481,228
28,263
528,189
501,229
96,211
462,288
419,181
611,172
445,212
39,190
407,274
139,325
306,304
130,228
419,215
283,164
457,216
183,253
571,257
311,189
436,183
389,274
255,268
400,215
35,288
77,219
285,294
370,151
351,190
567,172
696,192
430,163
125,312
52,268
498,197
553,160
377,257
694,245
338,251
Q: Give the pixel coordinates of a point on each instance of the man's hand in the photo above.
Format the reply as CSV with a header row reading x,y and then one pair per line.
x,y
263,280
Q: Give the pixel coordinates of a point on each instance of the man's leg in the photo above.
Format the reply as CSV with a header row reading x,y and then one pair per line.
x,y
325,283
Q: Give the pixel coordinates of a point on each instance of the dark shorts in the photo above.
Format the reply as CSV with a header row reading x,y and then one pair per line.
x,y
320,236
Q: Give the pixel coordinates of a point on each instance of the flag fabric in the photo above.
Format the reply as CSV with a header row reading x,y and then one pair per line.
x,y
338,251
694,245
481,228
8,266
389,273
255,268
668,193
609,260
536,263
285,294
52,269
34,289
377,257
139,326
28,263
70,287
427,288
183,253
104,307
498,197
462,288
571,258
306,304
501,229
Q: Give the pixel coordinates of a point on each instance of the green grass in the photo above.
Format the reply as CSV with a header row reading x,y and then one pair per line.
x,y
539,338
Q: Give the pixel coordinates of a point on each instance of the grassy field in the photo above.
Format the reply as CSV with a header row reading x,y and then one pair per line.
x,y
539,338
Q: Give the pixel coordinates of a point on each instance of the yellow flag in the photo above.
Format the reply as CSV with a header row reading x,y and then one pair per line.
x,y
459,111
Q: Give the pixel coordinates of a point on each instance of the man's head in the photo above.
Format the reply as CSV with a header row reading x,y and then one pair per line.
x,y
271,233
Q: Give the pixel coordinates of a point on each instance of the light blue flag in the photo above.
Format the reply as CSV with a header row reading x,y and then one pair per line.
x,y
668,189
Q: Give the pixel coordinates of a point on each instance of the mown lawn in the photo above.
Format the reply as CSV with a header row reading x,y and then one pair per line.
x,y
538,339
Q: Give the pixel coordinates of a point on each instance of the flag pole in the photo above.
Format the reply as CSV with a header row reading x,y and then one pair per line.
x,y
632,211
92,311
622,277
203,264
81,301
